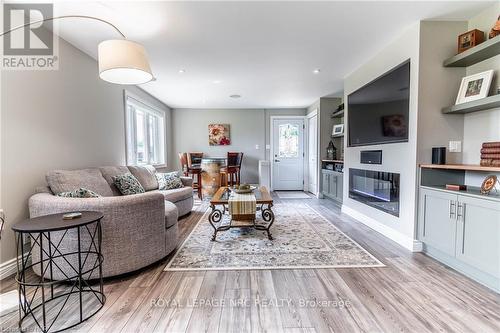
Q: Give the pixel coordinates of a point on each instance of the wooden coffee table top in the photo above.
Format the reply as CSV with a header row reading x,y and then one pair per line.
x,y
262,196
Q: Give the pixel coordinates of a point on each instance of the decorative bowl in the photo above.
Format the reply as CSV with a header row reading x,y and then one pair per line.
x,y
250,190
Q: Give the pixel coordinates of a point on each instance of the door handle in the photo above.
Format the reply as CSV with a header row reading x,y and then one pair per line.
x,y
276,160
452,209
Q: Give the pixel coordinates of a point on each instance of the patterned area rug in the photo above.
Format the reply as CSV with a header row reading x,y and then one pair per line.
x,y
302,239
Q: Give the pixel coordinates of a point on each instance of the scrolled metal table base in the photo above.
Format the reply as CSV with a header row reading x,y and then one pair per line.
x,y
216,214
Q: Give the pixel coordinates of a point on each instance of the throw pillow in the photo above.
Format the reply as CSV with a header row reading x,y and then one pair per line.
x,y
80,193
169,181
127,184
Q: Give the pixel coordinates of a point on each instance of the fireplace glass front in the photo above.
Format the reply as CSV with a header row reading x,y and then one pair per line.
x,y
376,189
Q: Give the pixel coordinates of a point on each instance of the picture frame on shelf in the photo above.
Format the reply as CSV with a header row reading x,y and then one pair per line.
x,y
474,87
338,130
489,184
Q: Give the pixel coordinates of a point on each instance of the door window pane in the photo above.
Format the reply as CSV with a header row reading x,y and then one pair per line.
x,y
288,141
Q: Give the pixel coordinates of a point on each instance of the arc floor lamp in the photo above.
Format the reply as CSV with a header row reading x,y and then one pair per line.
x,y
121,61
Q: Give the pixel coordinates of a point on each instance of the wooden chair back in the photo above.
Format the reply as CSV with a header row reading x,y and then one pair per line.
x,y
240,159
194,158
232,159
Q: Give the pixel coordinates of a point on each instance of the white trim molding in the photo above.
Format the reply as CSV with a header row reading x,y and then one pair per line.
x,y
8,268
394,235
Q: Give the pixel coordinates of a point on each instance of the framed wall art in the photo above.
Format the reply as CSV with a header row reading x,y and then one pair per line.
x,y
219,135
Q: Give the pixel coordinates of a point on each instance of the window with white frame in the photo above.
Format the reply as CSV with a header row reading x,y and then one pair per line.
x,y
145,127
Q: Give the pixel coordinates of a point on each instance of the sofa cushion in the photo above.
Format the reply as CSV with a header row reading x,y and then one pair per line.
x,y
146,176
169,181
177,194
108,172
128,184
171,214
69,180
80,193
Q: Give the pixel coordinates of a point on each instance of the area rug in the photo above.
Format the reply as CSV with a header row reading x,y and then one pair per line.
x,y
292,195
302,239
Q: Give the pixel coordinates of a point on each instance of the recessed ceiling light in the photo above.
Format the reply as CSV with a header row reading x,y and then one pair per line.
x,y
317,71
182,71
235,96
216,82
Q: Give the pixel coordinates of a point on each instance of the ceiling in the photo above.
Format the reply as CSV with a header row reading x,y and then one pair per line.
x,y
264,51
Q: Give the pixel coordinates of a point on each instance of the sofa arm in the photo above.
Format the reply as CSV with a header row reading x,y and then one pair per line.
x,y
133,227
187,181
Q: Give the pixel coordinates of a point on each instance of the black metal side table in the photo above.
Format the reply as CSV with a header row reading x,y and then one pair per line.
x,y
66,287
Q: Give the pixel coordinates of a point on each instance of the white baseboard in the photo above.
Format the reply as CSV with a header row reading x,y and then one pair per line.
x,y
394,235
9,268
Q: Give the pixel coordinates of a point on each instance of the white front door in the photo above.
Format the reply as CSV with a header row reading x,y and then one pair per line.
x,y
312,163
288,154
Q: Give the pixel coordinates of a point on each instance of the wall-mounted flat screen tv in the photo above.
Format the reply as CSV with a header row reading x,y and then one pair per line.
x,y
378,112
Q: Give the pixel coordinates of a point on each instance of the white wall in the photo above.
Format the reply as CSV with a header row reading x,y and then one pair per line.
x,y
438,87
248,128
61,119
397,157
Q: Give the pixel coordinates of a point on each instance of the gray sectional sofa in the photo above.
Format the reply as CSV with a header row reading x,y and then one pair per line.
x,y
137,230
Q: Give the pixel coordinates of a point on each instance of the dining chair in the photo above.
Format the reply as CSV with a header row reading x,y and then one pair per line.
x,y
239,162
229,173
192,162
184,164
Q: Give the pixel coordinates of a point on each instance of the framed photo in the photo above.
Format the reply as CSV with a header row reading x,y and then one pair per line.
x,y
338,129
474,87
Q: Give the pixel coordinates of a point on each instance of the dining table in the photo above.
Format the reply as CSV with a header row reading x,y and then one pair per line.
x,y
210,175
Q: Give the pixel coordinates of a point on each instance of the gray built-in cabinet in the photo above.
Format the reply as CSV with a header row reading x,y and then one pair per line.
x,y
332,184
463,231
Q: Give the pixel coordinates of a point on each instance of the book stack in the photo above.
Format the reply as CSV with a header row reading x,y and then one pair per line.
x,y
490,154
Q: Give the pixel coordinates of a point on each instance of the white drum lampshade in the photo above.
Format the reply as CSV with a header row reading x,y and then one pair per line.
x,y
123,62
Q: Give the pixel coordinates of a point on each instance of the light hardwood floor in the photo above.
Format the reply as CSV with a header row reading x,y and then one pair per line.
x,y
414,293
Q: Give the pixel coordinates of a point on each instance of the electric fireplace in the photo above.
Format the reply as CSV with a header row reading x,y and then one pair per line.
x,y
376,189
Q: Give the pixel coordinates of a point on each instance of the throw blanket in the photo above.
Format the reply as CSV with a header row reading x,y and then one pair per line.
x,y
242,204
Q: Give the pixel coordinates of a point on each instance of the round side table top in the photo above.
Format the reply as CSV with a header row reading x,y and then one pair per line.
x,y
56,222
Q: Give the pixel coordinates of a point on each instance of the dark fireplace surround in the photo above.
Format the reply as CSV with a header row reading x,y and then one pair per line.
x,y
376,189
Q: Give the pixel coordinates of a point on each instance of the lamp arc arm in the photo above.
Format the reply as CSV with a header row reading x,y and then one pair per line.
x,y
66,16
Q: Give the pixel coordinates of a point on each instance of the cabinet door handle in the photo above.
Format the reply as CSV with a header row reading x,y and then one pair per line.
x,y
452,209
460,212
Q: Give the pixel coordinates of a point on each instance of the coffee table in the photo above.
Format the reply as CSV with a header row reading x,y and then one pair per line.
x,y
219,204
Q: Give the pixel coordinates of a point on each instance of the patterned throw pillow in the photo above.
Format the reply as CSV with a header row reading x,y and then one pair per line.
x,y
80,193
127,184
169,181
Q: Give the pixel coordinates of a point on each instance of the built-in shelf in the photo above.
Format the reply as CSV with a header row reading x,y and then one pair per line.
x,y
487,103
338,114
473,191
333,161
483,51
465,167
